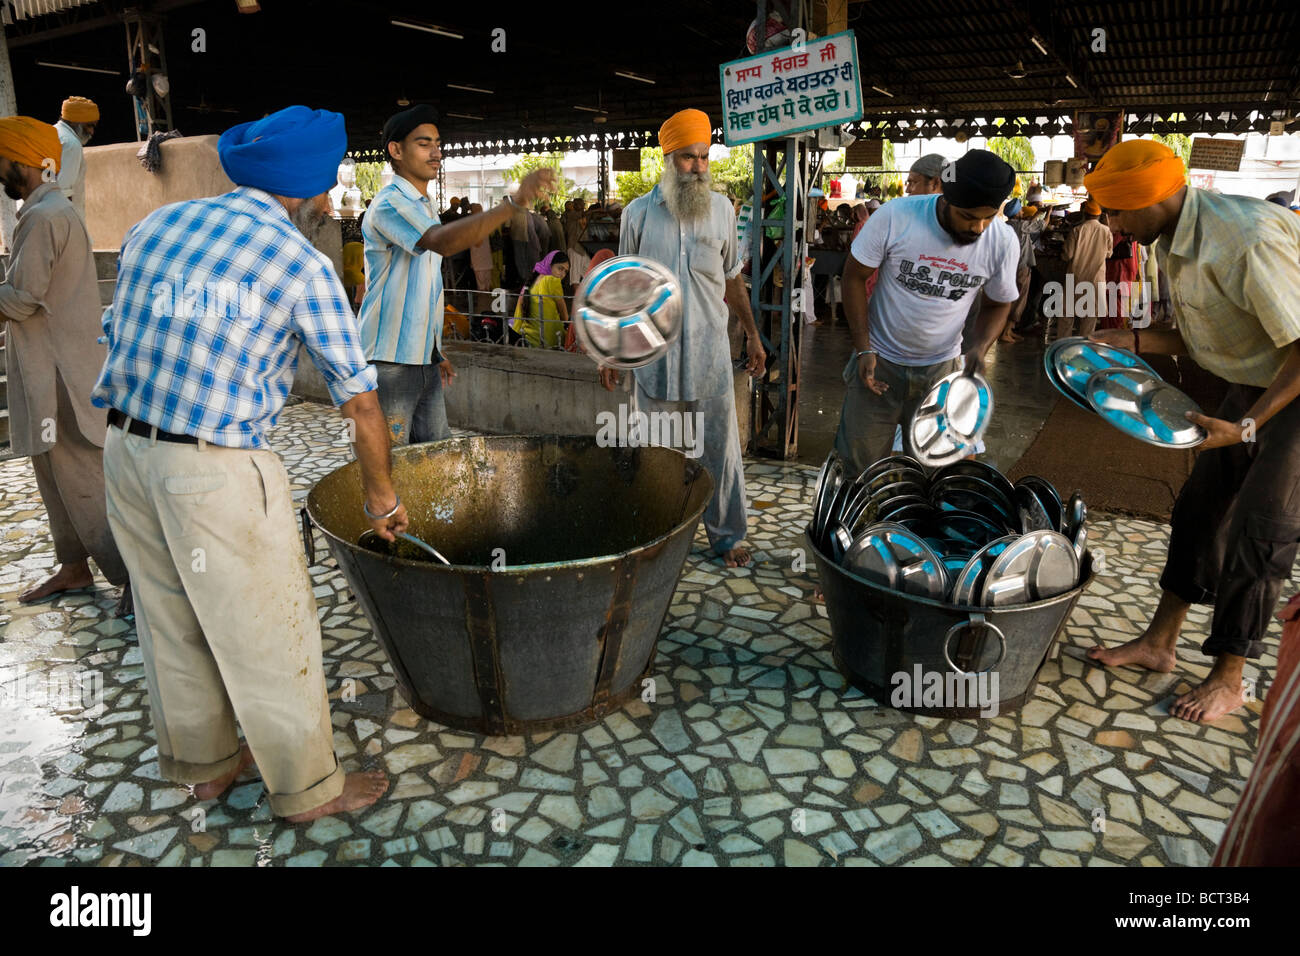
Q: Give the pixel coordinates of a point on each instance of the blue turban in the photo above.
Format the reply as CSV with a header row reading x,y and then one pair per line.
x,y
295,152
1012,208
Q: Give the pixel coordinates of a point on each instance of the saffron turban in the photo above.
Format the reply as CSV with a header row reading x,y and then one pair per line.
x,y
979,178
1135,175
294,152
78,109
30,142
1092,208
1029,212
683,129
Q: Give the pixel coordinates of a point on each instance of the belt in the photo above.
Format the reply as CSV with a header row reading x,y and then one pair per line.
x,y
145,430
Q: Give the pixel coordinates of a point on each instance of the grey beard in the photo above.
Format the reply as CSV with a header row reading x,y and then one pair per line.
x,y
309,221
688,197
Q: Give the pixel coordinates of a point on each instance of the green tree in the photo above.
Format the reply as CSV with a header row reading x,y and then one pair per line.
x,y
734,173
563,190
1015,150
1179,143
368,179
630,185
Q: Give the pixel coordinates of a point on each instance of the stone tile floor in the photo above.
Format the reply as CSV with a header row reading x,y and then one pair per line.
x,y
753,752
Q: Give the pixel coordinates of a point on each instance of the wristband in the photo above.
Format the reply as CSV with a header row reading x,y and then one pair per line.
x,y
373,517
863,352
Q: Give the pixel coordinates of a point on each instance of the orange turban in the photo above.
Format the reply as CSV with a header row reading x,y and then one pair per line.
x,y
1092,209
78,109
1135,175
683,129
30,142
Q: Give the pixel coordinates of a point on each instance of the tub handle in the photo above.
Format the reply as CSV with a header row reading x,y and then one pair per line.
x,y
975,620
308,539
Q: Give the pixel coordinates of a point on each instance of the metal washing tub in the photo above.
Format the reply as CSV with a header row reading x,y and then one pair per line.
x,y
878,632
564,558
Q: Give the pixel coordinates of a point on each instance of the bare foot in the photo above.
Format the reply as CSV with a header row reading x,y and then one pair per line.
x,y
359,790
125,603
1210,701
819,596
69,577
1144,651
737,557
211,789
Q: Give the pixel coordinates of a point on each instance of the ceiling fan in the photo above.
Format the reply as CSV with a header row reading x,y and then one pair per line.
x,y
1019,71
203,107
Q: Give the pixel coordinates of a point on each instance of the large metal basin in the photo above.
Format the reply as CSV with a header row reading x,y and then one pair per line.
x,y
877,633
565,556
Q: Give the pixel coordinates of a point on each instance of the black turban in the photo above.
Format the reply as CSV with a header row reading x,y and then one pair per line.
x,y
979,178
399,125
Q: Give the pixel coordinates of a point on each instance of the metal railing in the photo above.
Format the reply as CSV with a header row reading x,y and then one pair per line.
x,y
485,324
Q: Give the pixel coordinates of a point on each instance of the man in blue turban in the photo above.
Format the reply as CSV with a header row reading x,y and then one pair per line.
x,y
214,298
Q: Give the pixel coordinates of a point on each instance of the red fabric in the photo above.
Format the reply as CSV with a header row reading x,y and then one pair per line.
x,y
1264,830
1122,271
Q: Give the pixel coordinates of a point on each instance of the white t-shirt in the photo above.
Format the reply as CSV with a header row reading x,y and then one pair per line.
x,y
926,279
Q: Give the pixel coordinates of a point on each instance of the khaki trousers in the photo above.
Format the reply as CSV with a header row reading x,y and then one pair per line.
x,y
225,614
70,478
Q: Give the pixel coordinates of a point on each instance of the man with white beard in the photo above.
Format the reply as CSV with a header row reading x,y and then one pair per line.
x,y
687,227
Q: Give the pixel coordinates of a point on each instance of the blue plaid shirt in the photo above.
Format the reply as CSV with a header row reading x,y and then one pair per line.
x,y
402,313
213,298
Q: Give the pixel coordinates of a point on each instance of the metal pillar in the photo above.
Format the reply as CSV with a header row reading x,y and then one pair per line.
x,y
602,169
8,107
145,51
780,172
775,417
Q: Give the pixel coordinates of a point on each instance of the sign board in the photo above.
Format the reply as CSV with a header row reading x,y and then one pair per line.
x,y
1096,131
865,154
626,161
1224,154
791,90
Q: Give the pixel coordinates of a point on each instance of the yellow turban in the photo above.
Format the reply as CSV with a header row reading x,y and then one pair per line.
x,y
1092,209
1029,212
78,109
1135,175
683,129
30,142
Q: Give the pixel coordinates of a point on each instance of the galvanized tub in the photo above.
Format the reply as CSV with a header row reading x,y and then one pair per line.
x,y
565,556
877,633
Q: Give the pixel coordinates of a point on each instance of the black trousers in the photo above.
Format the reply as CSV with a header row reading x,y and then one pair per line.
x,y
1236,527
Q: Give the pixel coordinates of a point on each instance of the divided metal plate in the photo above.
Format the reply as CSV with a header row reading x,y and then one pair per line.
x,y
951,418
1144,406
1070,362
894,557
1035,566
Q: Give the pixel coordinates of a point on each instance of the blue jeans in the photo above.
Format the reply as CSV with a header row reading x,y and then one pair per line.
x,y
411,397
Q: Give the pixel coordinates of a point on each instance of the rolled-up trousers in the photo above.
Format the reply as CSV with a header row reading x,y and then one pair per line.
x,y
1236,527
225,615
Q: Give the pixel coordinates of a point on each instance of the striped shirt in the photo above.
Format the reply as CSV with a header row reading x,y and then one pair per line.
x,y
1233,267
401,315
213,298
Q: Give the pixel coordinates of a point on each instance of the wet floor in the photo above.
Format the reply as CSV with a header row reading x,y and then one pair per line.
x,y
1022,396
752,752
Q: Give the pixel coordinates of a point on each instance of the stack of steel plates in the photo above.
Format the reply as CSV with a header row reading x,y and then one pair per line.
x,y
962,534
1123,390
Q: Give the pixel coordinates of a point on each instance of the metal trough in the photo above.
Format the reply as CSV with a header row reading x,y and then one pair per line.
x,y
564,555
877,633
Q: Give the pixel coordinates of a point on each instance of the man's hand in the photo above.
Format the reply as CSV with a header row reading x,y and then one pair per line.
x,y
609,377
757,363
1118,338
534,184
867,373
447,371
387,528
1221,433
973,362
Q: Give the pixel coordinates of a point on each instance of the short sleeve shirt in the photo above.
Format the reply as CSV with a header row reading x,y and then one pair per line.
x,y
402,313
921,300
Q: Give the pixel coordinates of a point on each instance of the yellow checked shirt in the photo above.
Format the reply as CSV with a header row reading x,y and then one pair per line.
x,y
1233,267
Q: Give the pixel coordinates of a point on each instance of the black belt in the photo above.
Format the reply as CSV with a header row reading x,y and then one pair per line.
x,y
145,430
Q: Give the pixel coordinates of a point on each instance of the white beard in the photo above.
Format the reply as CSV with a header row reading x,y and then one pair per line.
x,y
688,196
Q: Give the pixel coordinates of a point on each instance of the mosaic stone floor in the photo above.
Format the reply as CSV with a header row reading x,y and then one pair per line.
x,y
753,752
